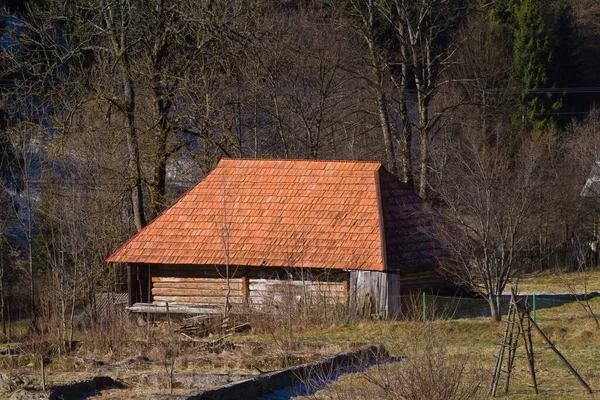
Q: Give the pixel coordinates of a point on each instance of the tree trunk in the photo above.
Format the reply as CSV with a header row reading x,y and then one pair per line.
x,y
2,297
405,154
134,163
382,103
406,138
494,303
280,129
161,93
158,189
384,119
390,158
30,250
120,45
424,142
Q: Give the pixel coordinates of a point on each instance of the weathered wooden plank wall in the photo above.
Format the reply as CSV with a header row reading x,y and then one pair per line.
x,y
370,292
266,291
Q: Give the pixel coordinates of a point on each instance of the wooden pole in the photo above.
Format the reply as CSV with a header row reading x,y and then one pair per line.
x,y
148,327
558,353
512,351
43,375
168,314
532,366
500,359
528,344
149,302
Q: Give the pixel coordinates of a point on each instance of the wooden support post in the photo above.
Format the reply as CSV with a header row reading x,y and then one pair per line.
x,y
149,302
168,314
349,303
149,284
246,288
131,276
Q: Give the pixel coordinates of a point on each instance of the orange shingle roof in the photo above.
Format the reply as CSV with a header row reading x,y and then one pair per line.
x,y
315,214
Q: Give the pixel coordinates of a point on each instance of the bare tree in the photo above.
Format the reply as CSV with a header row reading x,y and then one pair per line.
x,y
226,240
24,137
479,73
424,32
300,93
487,212
145,61
367,21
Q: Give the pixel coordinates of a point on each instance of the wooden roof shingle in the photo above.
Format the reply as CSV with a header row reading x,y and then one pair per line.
x,y
289,213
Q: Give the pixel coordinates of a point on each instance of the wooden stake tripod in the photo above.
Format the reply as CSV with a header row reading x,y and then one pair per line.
x,y
518,326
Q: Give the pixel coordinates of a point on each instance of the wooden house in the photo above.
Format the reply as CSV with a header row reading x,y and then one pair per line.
x,y
339,230
591,188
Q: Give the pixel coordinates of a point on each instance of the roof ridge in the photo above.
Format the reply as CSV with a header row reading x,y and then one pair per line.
x,y
300,159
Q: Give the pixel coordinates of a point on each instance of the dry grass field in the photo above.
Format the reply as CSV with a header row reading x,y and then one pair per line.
x,y
453,353
558,282
471,347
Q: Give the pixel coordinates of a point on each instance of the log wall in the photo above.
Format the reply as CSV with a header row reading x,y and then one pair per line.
x,y
194,285
205,291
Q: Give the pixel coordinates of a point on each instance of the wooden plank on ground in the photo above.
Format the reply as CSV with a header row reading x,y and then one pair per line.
x,y
173,309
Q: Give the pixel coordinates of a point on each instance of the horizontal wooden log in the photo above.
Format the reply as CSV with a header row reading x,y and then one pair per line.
x,y
284,289
197,274
296,282
271,300
256,293
233,294
316,303
195,299
275,282
197,285
252,272
261,286
175,279
193,292
332,288
173,309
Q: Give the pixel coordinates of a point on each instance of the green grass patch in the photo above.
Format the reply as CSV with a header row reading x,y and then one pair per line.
x,y
561,282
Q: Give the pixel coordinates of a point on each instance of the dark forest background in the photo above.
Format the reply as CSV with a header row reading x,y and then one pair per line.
x,y
110,110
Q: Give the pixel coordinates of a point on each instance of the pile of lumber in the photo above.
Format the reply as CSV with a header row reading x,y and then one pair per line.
x,y
198,326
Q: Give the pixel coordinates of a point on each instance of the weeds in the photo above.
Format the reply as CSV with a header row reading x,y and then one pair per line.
x,y
430,372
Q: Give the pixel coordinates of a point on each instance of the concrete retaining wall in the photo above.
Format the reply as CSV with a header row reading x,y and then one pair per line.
x,y
270,382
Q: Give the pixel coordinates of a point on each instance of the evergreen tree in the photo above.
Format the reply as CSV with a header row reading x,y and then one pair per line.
x,y
532,52
544,44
